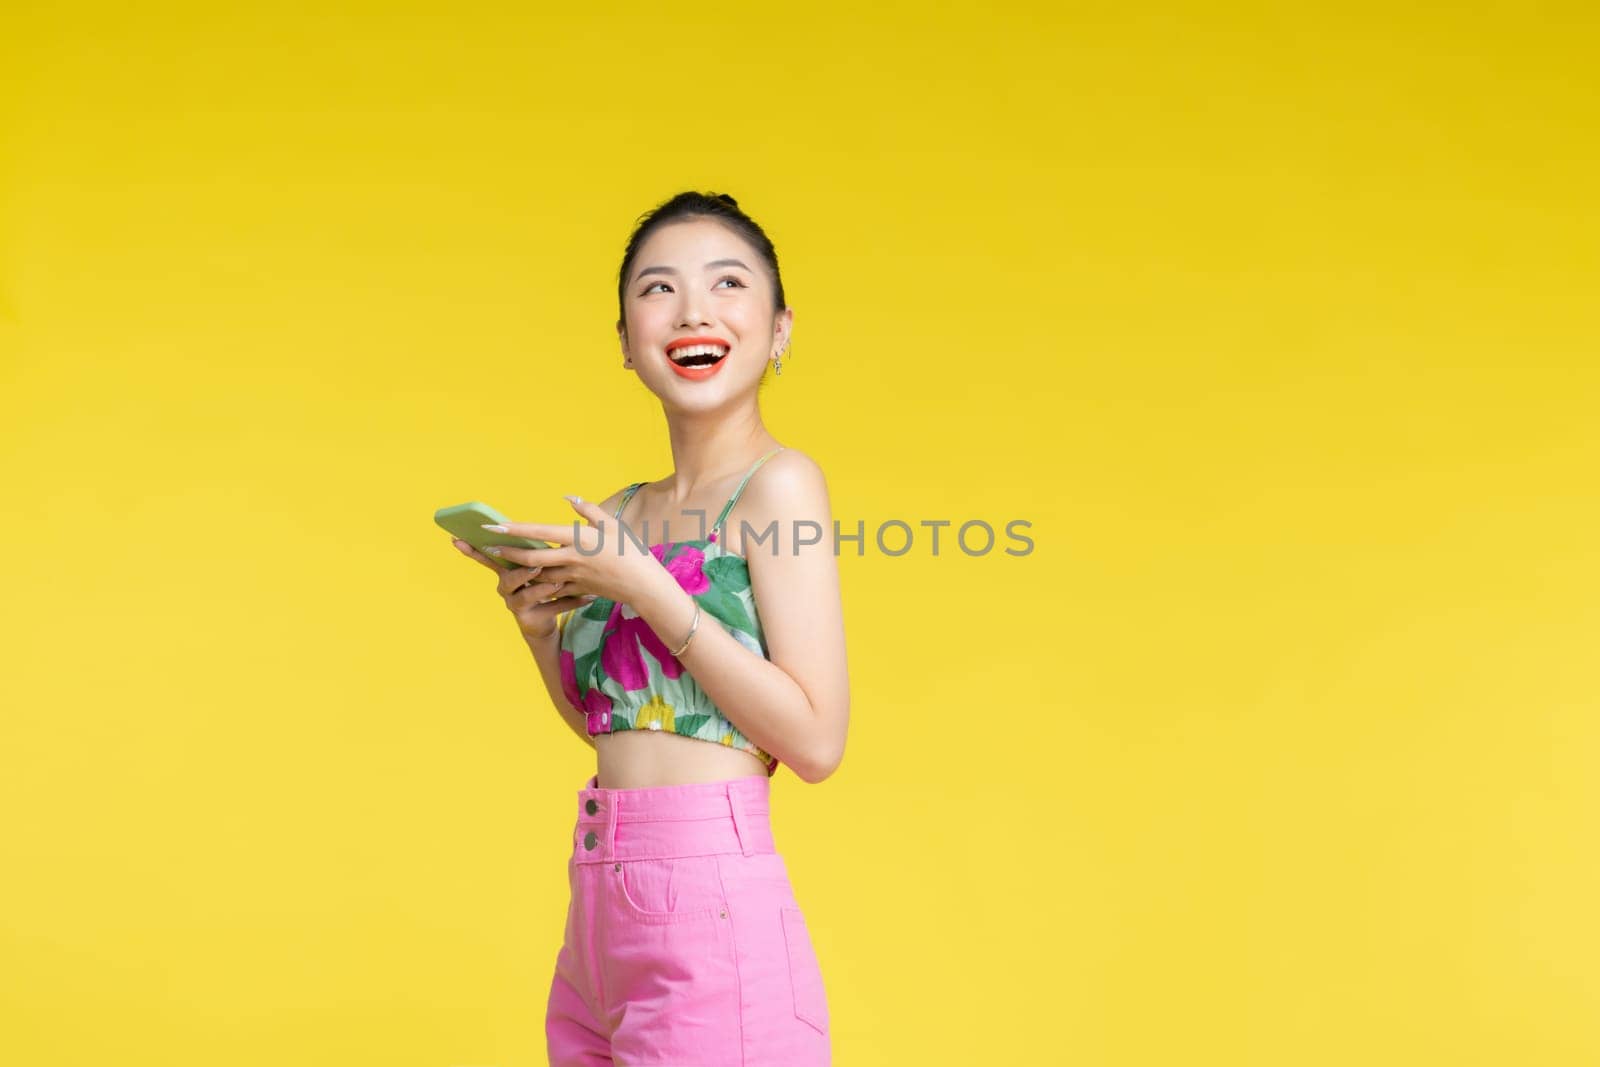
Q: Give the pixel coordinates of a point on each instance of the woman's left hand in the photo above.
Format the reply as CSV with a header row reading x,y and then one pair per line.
x,y
610,565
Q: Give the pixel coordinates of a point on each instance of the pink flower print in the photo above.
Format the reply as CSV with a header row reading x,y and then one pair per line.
x,y
594,702
620,658
688,567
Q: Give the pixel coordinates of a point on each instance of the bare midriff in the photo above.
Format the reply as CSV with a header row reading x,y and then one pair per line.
x,y
642,759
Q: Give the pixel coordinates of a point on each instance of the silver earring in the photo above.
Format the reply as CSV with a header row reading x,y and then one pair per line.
x,y
777,364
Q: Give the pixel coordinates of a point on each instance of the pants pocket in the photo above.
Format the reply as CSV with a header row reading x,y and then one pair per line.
x,y
677,889
810,999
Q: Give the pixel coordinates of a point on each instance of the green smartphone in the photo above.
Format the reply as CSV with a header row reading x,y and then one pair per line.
x,y
466,522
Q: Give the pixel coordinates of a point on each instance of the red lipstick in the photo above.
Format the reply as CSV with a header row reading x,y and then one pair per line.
x,y
702,371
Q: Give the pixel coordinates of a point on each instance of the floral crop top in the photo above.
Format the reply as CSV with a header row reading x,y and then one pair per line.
x,y
622,676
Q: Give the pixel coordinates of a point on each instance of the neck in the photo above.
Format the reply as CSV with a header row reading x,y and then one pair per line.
x,y
708,447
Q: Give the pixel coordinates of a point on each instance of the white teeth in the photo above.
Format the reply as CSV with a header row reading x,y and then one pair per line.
x,y
680,354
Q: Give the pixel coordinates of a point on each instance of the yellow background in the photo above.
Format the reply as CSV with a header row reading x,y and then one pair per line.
x,y
1276,322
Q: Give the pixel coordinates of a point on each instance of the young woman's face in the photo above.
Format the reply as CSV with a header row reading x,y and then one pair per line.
x,y
696,279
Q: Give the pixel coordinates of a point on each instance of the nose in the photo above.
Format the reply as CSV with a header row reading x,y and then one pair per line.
x,y
690,313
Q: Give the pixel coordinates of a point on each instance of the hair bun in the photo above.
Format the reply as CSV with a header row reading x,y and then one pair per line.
x,y
728,199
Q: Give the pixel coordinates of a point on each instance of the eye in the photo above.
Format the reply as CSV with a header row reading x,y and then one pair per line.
x,y
724,278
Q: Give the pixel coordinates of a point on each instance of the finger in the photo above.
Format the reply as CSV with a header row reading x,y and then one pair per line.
x,y
533,557
589,510
539,593
558,574
536,617
560,533
472,553
516,575
517,579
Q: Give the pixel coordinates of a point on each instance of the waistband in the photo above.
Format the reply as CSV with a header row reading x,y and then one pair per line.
x,y
662,822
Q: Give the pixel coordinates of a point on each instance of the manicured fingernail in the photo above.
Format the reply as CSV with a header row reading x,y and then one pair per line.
x,y
493,550
494,526
575,499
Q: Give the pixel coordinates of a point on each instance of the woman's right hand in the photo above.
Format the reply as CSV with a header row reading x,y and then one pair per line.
x,y
526,599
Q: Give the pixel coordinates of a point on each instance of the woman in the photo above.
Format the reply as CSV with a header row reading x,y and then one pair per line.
x,y
703,607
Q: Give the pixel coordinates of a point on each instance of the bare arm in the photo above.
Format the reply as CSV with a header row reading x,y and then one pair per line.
x,y
547,654
518,592
797,705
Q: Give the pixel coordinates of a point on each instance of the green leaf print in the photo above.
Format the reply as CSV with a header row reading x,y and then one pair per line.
x,y
728,572
598,609
689,724
585,667
726,607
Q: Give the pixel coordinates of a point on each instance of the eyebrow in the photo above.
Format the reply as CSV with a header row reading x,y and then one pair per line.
x,y
709,266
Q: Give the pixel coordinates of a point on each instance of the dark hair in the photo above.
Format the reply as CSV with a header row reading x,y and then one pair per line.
x,y
692,205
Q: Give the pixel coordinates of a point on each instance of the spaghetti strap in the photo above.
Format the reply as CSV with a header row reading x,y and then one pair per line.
x,y
627,495
734,499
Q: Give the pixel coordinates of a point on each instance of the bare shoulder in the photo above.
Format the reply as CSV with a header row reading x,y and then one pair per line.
x,y
789,475
790,489
610,504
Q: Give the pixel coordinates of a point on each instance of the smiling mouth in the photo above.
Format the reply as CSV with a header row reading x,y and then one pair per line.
x,y
698,355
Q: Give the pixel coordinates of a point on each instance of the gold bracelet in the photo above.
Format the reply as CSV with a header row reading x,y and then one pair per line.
x,y
693,626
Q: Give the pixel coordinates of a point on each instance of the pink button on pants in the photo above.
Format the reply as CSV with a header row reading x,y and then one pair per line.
x,y
685,945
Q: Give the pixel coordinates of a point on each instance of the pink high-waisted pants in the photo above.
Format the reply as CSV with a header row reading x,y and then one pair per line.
x,y
684,944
